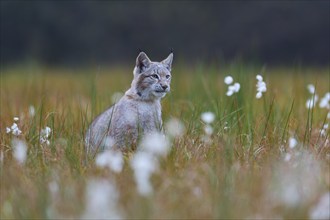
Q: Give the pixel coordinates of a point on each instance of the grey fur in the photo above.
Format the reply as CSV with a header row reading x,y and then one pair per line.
x,y
137,112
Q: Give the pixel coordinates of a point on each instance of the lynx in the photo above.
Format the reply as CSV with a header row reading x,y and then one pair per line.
x,y
138,112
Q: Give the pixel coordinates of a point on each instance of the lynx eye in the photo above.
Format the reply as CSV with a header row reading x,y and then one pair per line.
x,y
168,76
155,76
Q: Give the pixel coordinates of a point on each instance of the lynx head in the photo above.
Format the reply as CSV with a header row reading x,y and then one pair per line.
x,y
152,79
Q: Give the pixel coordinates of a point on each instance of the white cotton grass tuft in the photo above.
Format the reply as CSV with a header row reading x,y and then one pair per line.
x,y
53,187
145,162
286,188
310,103
101,200
208,130
144,165
174,127
32,111
19,150
287,157
292,142
208,117
259,78
322,209
226,127
228,80
234,88
311,88
14,129
261,86
325,101
155,143
323,130
44,135
110,159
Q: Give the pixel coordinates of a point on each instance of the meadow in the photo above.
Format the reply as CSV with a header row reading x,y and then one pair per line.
x,y
258,158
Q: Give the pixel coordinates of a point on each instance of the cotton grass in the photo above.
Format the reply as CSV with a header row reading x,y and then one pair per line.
x,y
101,200
19,150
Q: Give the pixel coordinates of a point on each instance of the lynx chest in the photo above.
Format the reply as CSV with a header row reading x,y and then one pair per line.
x,y
148,115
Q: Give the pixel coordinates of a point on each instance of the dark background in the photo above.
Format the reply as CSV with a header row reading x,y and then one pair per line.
x,y
105,32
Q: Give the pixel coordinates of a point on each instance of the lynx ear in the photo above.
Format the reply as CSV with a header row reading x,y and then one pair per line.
x,y
168,61
142,62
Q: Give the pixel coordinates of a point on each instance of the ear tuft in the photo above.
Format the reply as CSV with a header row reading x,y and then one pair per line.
x,y
168,61
142,62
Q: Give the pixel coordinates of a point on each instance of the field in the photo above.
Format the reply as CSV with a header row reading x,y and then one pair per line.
x,y
259,158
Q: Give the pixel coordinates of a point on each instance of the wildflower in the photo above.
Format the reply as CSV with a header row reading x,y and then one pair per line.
x,y
14,126
236,87
111,159
44,135
229,80
323,130
16,118
310,103
31,111
155,143
208,130
197,191
325,101
208,117
287,188
261,86
14,130
292,142
322,209
226,127
311,88
101,200
53,187
287,157
259,78
19,150
174,127
231,88
144,165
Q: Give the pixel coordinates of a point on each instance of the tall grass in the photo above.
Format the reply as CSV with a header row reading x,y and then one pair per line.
x,y
241,173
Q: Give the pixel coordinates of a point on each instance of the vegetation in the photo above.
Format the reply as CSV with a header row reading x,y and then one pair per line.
x,y
248,169
75,33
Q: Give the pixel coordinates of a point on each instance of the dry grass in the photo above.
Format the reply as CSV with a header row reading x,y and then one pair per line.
x,y
240,174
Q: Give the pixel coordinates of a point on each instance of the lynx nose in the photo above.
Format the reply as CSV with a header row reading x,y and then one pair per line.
x,y
164,87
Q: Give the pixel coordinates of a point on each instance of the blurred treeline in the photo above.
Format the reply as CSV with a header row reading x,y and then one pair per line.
x,y
105,32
